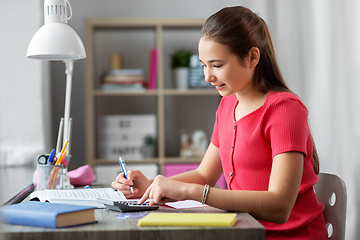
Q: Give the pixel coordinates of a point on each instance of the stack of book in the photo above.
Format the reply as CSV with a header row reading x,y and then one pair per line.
x,y
123,79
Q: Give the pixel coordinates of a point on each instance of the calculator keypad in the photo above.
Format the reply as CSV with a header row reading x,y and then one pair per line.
x,y
127,206
133,203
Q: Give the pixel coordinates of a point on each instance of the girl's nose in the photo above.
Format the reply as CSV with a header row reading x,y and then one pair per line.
x,y
210,78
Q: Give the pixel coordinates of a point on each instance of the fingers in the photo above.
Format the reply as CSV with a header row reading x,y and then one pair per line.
x,y
130,175
120,186
124,189
156,195
146,195
121,182
121,178
129,194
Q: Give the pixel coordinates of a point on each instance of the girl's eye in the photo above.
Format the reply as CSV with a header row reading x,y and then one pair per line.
x,y
202,65
218,66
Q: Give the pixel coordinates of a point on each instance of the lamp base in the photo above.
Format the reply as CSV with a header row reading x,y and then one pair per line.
x,y
66,181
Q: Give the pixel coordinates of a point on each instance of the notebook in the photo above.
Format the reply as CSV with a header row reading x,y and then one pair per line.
x,y
188,219
86,197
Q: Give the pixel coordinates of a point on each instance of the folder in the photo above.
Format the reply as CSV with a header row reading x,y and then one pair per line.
x,y
189,219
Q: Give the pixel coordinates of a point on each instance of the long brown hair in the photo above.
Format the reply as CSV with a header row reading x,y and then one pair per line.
x,y
240,29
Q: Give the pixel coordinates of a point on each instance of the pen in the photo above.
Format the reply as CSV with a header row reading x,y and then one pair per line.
x,y
57,170
51,156
123,168
58,162
62,152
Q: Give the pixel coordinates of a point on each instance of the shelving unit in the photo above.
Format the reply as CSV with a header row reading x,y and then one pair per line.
x,y
175,109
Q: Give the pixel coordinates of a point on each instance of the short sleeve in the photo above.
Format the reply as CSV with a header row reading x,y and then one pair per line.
x,y
287,127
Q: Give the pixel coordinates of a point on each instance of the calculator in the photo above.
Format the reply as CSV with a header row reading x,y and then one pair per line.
x,y
126,206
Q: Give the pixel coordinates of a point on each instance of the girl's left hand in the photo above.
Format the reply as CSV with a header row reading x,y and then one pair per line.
x,y
164,190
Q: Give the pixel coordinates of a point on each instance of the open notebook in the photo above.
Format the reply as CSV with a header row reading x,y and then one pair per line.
x,y
86,197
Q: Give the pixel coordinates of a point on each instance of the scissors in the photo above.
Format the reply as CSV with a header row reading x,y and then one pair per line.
x,y
42,159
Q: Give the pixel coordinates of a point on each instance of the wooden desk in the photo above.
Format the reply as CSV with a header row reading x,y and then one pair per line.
x,y
111,227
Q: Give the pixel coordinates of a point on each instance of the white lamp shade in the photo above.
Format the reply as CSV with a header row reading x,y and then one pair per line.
x,y
56,41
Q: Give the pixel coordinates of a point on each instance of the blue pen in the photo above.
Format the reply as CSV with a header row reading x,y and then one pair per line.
x,y
123,168
51,156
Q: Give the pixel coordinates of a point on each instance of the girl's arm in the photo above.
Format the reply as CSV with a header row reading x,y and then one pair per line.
x,y
273,205
208,172
175,188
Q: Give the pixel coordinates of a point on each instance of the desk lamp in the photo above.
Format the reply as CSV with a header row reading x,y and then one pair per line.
x,y
57,41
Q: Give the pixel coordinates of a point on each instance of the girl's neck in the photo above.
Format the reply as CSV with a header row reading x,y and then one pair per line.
x,y
248,102
249,95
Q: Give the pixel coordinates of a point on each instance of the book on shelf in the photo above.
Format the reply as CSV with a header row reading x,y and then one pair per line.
x,y
45,214
122,87
85,197
125,72
122,79
189,219
153,69
123,75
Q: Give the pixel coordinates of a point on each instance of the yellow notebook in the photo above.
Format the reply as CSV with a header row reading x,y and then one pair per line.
x,y
188,219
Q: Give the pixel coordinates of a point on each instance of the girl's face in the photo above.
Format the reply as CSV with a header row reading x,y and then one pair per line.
x,y
225,70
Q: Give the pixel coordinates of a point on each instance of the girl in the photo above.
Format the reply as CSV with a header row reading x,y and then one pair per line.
x,y
261,139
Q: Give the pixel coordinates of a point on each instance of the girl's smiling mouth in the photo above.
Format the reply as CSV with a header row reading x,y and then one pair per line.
x,y
219,87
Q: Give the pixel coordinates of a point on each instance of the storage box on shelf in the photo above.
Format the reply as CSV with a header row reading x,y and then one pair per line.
x,y
174,110
106,173
129,136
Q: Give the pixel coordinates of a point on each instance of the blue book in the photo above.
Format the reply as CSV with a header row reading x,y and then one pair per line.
x,y
45,214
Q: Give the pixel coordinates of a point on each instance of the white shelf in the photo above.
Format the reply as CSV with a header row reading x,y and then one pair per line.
x,y
158,33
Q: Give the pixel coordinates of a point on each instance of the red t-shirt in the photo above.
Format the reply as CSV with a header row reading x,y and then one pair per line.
x,y
247,148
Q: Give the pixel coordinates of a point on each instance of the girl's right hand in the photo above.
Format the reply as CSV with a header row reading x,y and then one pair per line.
x,y
136,178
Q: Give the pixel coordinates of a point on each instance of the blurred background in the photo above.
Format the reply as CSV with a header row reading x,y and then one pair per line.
x,y
316,42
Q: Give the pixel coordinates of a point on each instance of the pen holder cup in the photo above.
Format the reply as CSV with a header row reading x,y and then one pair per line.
x,y
49,177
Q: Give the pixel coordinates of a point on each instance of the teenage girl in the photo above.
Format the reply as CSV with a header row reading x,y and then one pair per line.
x,y
261,139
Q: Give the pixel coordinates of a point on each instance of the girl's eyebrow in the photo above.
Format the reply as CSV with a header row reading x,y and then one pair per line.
x,y
213,61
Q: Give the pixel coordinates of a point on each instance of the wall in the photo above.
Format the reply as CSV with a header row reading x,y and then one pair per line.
x,y
23,86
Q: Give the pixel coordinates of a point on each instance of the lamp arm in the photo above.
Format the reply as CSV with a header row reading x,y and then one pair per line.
x,y
69,71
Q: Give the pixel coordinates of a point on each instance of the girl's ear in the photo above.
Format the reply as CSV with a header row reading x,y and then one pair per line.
x,y
254,57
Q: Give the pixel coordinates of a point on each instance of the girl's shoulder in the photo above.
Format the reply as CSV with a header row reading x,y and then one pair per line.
x,y
272,98
278,97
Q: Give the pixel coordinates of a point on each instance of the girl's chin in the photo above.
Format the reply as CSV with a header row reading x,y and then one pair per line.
x,y
225,93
